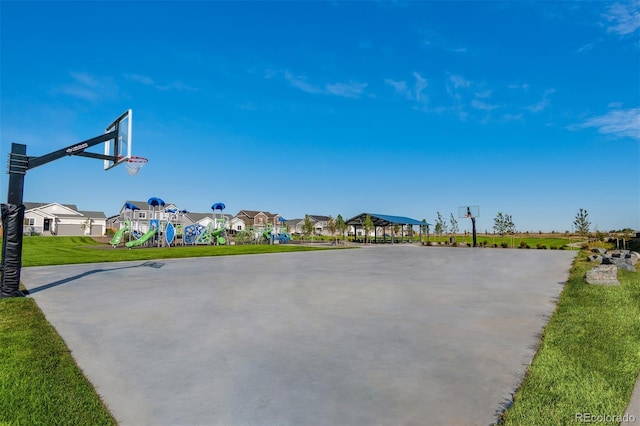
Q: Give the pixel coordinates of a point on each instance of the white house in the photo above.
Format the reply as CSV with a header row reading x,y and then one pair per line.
x,y
62,219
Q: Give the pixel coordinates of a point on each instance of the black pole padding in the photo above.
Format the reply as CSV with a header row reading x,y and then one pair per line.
x,y
12,222
473,222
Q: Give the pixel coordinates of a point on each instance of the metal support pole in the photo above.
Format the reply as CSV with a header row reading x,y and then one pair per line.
x,y
12,223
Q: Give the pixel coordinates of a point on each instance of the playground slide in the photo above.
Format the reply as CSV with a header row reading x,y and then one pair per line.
x,y
140,241
217,235
118,236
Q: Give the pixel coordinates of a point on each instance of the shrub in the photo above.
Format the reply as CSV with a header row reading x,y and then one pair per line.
x,y
504,245
553,247
562,248
523,244
495,245
541,246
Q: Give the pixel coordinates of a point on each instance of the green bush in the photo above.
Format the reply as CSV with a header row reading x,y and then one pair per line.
x,y
504,245
523,244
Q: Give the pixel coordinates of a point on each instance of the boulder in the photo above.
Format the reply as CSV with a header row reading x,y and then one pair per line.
x,y
603,275
634,257
598,250
594,258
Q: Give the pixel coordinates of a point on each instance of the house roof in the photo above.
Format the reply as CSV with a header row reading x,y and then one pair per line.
x,y
318,218
197,217
253,213
31,205
93,214
384,220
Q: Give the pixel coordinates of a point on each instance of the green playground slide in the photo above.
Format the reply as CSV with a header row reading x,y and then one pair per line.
x,y
118,236
219,238
140,241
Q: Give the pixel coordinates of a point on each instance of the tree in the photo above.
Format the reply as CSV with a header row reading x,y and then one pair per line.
x,y
367,226
331,226
441,225
341,226
307,226
503,224
424,229
454,226
582,223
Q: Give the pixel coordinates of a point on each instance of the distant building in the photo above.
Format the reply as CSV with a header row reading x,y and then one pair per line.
x,y
62,219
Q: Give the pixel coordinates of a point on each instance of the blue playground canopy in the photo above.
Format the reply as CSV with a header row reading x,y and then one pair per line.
x,y
282,219
131,206
153,201
218,206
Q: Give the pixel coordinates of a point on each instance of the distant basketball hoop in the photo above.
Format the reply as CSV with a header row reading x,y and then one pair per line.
x,y
134,164
470,212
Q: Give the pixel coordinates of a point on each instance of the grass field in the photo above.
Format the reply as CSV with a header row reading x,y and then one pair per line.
x,y
589,356
42,251
587,362
40,383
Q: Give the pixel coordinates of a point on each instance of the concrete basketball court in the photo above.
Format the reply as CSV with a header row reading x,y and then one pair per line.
x,y
382,335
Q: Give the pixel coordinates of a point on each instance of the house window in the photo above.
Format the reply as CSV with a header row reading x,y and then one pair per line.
x,y
29,221
142,215
239,228
260,220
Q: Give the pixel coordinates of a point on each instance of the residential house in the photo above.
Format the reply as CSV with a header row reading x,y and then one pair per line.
x,y
256,219
62,219
319,222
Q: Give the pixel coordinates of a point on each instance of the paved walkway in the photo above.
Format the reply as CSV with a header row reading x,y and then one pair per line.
x,y
387,335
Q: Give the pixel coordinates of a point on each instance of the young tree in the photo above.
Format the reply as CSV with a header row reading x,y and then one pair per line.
x,y
454,226
307,226
331,226
367,226
341,226
441,225
582,223
424,229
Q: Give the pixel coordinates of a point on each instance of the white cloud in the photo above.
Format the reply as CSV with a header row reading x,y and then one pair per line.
x,y
624,18
523,86
399,86
421,84
347,90
481,105
543,103
88,87
300,82
618,123
459,81
351,89
415,94
587,47
142,79
178,85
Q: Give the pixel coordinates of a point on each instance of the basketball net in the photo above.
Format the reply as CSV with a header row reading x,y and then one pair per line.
x,y
134,164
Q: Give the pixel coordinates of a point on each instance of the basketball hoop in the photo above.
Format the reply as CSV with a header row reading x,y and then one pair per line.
x,y
134,164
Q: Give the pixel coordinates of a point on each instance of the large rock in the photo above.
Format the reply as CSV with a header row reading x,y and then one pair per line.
x,y
598,250
594,258
603,275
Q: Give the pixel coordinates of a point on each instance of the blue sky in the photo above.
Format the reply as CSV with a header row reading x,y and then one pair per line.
x,y
402,108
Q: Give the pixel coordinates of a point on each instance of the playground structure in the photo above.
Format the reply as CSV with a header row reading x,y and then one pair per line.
x,y
253,235
166,228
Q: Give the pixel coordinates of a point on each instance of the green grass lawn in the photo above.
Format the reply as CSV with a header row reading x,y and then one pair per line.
x,y
589,356
40,383
41,251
